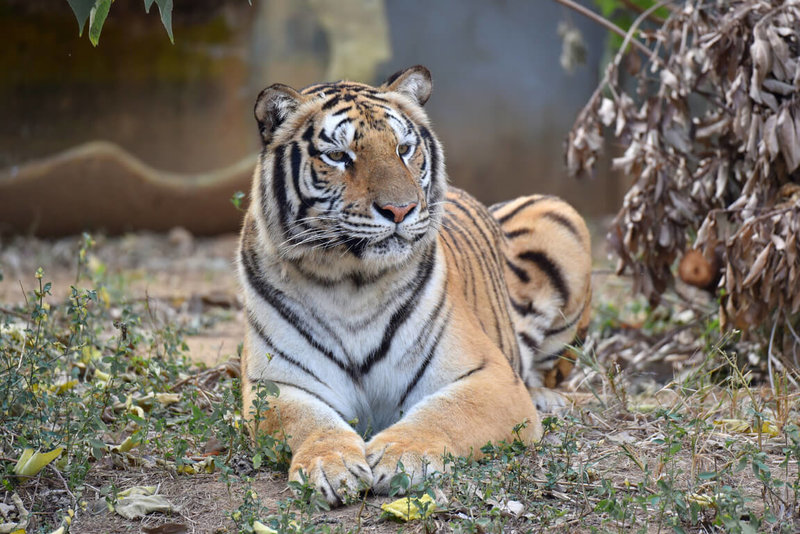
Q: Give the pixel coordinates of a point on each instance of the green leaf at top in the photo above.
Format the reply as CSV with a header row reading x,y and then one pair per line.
x,y
97,17
165,8
81,8
607,7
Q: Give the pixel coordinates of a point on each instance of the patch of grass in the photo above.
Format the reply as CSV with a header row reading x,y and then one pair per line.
x,y
101,376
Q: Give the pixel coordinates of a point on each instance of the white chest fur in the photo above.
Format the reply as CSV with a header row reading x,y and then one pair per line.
x,y
366,349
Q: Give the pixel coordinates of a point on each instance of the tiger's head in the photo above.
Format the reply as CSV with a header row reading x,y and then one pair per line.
x,y
349,175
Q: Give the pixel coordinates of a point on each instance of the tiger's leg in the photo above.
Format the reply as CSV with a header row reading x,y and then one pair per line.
x,y
484,403
327,449
548,265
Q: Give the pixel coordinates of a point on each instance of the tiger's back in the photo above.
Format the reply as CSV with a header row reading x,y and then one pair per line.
x,y
524,267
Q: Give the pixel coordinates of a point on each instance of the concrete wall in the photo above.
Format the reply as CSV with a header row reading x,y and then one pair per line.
x,y
502,104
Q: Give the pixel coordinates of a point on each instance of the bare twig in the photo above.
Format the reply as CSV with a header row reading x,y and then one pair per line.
x,y
13,313
771,356
66,486
604,22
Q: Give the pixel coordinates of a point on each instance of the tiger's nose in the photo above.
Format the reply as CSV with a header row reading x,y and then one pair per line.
x,y
395,213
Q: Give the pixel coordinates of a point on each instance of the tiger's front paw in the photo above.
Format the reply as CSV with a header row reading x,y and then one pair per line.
x,y
335,463
548,400
419,452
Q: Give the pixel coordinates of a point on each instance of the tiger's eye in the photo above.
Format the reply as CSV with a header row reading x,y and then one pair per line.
x,y
336,156
403,149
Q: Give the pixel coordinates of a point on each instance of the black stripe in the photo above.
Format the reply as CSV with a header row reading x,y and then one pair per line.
x,y
277,353
525,309
541,260
341,112
432,147
332,102
425,362
425,331
516,233
296,160
522,309
344,120
518,271
529,202
568,324
278,189
275,298
460,242
493,275
529,342
494,207
488,220
313,394
566,223
549,358
481,367
399,317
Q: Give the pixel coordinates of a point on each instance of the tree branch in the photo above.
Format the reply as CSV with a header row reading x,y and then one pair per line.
x,y
603,22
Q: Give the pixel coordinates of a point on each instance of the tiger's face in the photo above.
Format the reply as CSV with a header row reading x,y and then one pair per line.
x,y
350,172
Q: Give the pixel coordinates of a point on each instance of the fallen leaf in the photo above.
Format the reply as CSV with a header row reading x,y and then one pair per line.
x,y
137,490
744,427
261,528
30,463
141,505
407,509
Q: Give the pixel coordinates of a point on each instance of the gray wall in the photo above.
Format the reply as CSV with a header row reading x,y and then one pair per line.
x,y
502,104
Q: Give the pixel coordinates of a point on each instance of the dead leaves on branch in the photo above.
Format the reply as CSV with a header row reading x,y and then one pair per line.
x,y
710,127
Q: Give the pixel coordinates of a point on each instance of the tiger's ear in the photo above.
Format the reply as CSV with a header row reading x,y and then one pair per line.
x,y
415,82
273,105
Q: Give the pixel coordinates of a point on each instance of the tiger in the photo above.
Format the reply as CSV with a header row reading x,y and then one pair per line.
x,y
399,318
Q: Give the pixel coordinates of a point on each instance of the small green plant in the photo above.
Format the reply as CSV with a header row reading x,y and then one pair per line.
x,y
97,377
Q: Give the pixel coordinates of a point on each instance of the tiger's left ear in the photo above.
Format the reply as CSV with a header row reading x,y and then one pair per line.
x,y
414,82
273,105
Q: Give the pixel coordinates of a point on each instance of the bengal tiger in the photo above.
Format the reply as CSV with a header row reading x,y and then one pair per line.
x,y
399,318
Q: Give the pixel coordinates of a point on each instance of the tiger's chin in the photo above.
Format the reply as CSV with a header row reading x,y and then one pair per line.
x,y
393,251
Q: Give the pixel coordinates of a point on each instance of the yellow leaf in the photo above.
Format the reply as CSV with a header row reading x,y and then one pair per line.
x,y
104,297
165,399
66,386
744,427
261,528
126,445
204,466
89,353
733,425
703,500
137,490
407,508
768,427
59,530
101,376
30,463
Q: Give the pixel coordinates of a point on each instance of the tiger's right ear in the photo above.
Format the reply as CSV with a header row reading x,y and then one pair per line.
x,y
273,105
